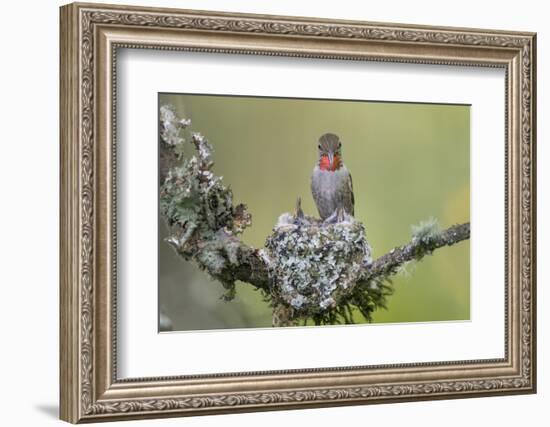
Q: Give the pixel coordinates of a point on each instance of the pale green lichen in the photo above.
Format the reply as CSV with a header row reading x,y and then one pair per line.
x,y
196,204
195,199
422,233
316,265
406,269
171,126
427,229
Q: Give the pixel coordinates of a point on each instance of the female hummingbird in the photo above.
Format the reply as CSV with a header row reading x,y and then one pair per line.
x,y
331,184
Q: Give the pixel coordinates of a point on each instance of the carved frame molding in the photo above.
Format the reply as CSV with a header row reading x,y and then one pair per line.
x,y
90,37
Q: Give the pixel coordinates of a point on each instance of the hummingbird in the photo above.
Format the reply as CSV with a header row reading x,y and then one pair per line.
x,y
331,184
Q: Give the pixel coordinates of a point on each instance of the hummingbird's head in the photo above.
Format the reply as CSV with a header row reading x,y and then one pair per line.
x,y
330,152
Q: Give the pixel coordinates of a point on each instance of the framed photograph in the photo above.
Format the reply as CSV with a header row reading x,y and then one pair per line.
x,y
267,212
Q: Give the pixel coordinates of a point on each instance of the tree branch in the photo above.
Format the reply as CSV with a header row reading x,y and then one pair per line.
x,y
415,250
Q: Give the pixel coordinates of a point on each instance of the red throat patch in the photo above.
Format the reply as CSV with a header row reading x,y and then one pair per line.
x,y
325,165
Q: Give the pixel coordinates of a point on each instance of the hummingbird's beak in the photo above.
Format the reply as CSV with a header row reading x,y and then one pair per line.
x,y
330,159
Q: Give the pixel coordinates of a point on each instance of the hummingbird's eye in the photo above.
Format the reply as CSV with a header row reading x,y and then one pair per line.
x,y
319,146
339,145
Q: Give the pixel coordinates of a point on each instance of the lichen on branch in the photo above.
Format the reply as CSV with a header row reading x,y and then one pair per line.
x,y
309,269
424,242
199,210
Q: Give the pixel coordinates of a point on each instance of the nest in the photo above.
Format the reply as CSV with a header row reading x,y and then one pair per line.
x,y
316,264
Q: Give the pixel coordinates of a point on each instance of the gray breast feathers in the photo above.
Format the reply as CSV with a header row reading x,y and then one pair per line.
x,y
332,190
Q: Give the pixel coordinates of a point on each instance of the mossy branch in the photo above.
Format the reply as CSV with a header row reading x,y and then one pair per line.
x,y
198,209
308,269
420,246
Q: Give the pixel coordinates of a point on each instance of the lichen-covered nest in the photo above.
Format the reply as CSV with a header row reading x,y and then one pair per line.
x,y
316,264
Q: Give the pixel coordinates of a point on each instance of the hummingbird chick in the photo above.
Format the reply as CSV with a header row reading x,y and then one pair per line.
x,y
331,184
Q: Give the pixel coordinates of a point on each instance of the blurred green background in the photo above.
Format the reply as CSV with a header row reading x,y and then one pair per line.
x,y
409,162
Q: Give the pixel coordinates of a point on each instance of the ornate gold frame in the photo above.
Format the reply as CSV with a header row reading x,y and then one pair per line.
x,y
90,36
